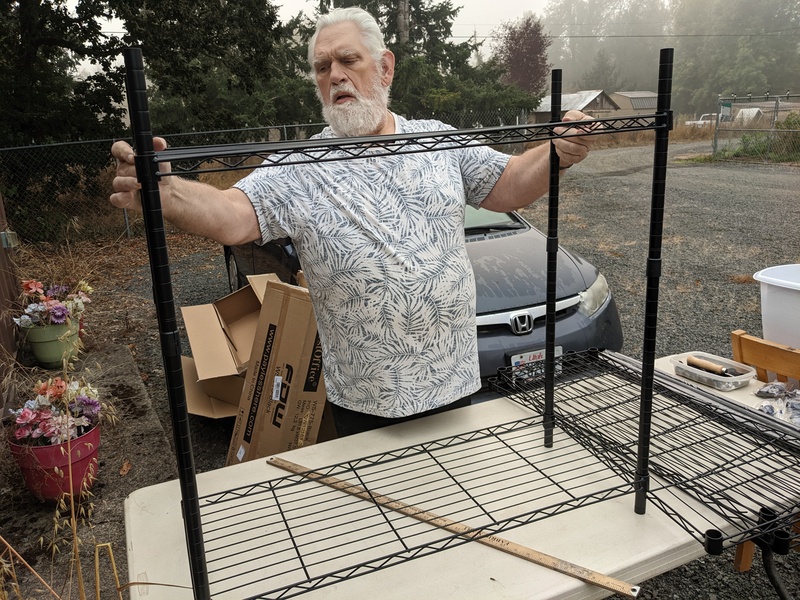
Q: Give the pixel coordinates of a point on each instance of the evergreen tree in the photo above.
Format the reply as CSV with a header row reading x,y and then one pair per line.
x,y
603,75
44,98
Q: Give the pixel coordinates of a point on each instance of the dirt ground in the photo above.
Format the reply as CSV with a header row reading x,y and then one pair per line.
x,y
122,358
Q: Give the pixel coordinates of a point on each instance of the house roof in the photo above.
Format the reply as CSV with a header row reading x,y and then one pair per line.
x,y
639,94
577,101
640,99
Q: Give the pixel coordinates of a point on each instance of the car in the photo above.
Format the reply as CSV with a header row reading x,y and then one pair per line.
x,y
278,256
509,260
705,120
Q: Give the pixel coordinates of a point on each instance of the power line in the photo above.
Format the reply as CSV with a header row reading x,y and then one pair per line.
x,y
657,35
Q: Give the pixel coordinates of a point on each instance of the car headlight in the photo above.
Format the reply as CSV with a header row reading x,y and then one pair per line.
x,y
593,298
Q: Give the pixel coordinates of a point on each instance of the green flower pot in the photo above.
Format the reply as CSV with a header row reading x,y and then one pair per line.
x,y
52,344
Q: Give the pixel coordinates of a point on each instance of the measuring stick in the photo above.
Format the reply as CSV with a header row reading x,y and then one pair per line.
x,y
493,541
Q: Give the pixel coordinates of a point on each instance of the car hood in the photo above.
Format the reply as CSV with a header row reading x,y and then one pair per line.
x,y
511,270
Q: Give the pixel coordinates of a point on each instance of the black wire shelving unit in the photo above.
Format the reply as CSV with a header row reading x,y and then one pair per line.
x,y
716,469
602,425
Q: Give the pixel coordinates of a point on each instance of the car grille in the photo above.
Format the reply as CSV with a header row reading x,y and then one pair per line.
x,y
503,322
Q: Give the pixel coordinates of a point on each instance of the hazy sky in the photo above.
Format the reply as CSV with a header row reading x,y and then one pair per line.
x,y
476,15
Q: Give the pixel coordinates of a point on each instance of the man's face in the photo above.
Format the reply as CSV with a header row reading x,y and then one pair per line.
x,y
353,88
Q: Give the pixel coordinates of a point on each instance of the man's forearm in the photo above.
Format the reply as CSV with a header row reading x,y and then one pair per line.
x,y
524,180
226,216
527,177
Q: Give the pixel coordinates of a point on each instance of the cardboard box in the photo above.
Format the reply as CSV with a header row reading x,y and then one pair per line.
x,y
221,334
259,283
284,395
221,337
215,398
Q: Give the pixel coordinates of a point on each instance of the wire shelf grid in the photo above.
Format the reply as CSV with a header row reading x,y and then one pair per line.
x,y
712,469
293,534
730,460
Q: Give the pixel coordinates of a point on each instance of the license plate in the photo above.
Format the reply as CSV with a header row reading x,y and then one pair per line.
x,y
535,356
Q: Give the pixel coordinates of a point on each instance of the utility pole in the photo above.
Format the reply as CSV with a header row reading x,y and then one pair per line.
x,y
403,22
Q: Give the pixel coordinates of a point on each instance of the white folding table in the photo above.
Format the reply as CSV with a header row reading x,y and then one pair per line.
x,y
607,537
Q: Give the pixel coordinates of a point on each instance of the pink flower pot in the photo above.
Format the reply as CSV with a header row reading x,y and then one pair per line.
x,y
46,469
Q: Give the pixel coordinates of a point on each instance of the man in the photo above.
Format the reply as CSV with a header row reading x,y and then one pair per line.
x,y
380,239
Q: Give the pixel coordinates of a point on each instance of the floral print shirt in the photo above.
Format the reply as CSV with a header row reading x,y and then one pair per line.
x,y
381,244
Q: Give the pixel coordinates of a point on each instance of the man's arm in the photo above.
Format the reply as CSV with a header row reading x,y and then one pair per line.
x,y
226,216
527,176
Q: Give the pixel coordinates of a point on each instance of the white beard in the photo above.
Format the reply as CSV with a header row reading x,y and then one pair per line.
x,y
363,116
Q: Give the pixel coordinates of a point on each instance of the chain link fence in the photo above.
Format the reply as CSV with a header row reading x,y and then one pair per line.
x,y
59,192
758,128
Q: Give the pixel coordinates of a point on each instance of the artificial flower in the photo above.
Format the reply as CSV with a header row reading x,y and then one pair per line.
x,y
60,410
52,304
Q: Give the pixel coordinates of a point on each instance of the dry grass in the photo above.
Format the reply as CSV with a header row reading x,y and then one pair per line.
x,y
679,133
743,279
224,179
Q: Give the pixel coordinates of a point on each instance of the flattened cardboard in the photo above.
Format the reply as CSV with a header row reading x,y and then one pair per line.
x,y
213,400
284,396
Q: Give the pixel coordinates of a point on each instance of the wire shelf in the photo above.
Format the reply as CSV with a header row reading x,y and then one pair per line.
x,y
728,459
225,157
293,534
712,469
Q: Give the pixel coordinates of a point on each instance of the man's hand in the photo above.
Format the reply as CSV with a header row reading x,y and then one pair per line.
x,y
226,216
125,185
573,150
527,176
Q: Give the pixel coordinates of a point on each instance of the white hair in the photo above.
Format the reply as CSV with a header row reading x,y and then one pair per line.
x,y
371,33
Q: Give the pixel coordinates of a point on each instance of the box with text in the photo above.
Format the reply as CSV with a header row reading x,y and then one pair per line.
x,y
284,393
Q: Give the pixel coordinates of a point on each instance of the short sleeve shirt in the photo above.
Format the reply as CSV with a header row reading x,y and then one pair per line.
x,y
381,244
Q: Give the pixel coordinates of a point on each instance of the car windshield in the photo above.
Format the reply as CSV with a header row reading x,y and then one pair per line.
x,y
476,220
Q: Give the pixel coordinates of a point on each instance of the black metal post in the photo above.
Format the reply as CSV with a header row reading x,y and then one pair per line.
x,y
148,176
664,124
552,269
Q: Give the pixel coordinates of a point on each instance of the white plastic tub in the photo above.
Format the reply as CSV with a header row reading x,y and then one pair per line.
x,y
780,304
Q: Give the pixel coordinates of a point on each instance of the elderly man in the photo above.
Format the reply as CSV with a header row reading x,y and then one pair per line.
x,y
380,239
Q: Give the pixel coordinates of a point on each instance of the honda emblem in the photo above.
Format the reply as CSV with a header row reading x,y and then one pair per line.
x,y
521,323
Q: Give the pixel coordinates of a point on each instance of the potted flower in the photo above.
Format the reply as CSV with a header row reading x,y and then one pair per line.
x,y
50,319
55,435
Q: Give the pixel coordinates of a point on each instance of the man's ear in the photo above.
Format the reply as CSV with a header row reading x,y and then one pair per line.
x,y
387,67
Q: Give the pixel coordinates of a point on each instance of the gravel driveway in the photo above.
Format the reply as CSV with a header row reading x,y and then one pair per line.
x,y
723,222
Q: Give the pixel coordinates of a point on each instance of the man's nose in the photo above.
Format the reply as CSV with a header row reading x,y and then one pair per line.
x,y
338,74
